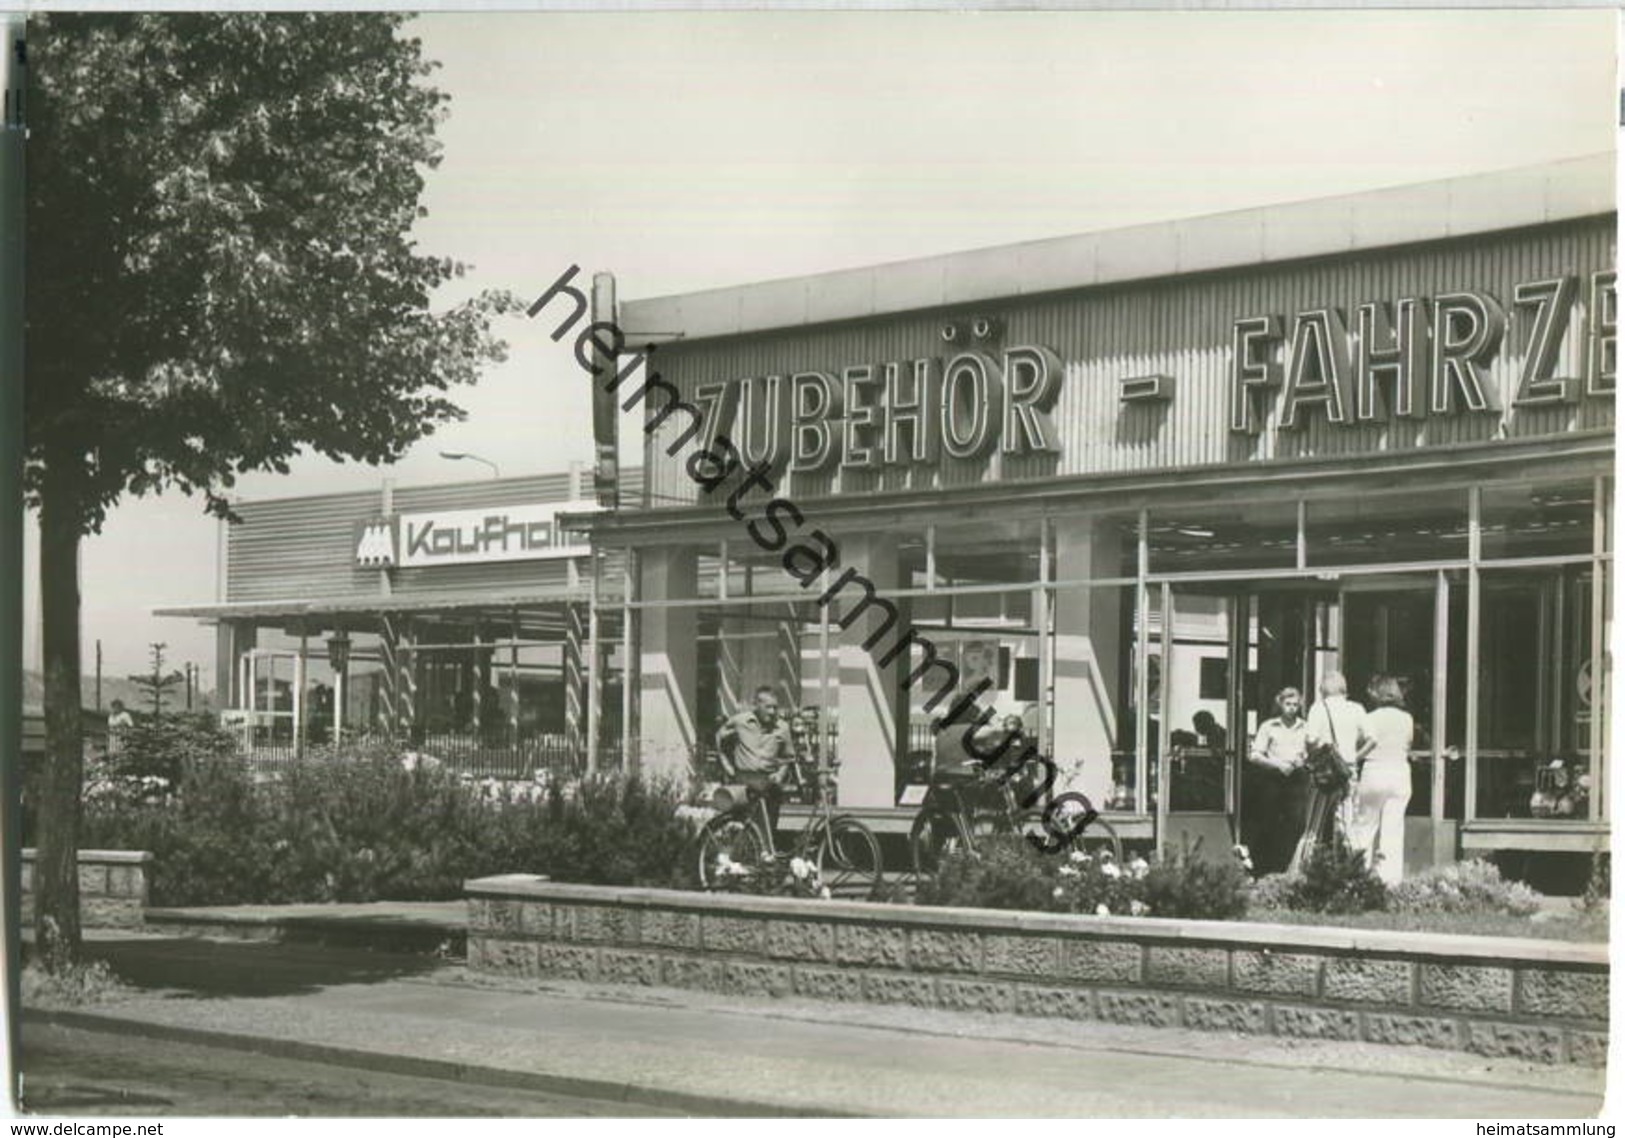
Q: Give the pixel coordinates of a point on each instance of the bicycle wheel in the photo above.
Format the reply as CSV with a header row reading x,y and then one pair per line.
x,y
1096,838
934,834
849,858
730,852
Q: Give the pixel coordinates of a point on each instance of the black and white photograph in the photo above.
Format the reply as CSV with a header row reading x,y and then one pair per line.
x,y
727,563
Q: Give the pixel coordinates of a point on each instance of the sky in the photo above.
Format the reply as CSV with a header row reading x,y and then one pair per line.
x,y
689,151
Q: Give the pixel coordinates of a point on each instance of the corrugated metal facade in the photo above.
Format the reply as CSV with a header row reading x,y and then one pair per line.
x,y
305,548
1182,327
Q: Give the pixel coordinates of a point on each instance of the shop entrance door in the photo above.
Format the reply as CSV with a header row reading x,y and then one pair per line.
x,y
1291,640
1229,655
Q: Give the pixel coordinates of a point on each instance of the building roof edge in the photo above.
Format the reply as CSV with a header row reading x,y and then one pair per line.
x,y
1565,190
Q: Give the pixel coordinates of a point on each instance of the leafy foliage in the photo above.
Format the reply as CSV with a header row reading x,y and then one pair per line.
x,y
221,269
1599,885
1463,887
1005,872
1334,879
364,826
1184,884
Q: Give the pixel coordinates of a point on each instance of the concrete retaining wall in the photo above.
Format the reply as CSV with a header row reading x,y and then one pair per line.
x,y
1535,999
112,888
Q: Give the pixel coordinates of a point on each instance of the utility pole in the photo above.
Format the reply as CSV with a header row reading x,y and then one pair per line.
x,y
98,674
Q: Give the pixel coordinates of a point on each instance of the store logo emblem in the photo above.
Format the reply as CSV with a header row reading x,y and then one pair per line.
x,y
375,544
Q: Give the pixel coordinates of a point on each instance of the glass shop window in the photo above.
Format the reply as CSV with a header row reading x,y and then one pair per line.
x,y
1546,519
1376,529
1224,536
1536,712
988,550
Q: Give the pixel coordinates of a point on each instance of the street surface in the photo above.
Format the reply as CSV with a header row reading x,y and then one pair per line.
x,y
76,1073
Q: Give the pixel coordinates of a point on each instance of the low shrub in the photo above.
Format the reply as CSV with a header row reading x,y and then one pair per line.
x,y
1005,872
364,826
1599,885
1182,883
1463,887
1334,879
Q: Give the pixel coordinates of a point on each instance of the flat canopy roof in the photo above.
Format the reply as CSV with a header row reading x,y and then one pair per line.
x,y
374,606
1428,211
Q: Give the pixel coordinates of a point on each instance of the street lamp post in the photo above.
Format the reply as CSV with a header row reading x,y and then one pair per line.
x,y
459,456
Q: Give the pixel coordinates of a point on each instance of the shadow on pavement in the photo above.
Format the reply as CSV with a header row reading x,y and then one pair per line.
x,y
199,968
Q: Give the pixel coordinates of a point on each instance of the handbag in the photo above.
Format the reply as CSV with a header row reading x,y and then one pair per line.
x,y
1328,769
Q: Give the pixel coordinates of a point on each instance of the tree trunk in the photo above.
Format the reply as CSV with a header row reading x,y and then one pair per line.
x,y
56,868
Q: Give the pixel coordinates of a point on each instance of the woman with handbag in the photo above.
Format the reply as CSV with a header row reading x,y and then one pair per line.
x,y
1384,790
1332,732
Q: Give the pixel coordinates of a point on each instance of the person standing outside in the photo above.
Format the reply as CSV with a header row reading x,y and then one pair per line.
x,y
1384,789
1281,785
1334,721
756,747
119,722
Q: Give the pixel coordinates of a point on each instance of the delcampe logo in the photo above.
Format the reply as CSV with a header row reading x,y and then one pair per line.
x,y
375,543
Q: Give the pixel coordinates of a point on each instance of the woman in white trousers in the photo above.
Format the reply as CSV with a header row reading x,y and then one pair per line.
x,y
1384,789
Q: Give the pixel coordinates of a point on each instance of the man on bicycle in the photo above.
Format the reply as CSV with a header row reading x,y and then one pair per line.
x,y
756,746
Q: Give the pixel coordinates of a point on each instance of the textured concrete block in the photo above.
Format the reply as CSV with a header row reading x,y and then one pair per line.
x,y
1151,1009
731,934
1555,992
801,940
536,918
1056,1003
1589,1048
865,944
827,983
1412,1031
1241,1017
668,929
603,923
1369,981
92,880
616,966
1189,967
1466,986
975,995
748,978
1517,1041
28,876
478,915
501,915
1282,973
1115,961
936,950
121,880
570,961
899,988
1315,1023
1019,955
110,913
691,972
503,957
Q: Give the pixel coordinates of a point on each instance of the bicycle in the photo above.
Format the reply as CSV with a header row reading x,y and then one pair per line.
x,y
736,845
957,812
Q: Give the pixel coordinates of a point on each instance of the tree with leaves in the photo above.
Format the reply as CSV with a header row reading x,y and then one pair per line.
x,y
220,277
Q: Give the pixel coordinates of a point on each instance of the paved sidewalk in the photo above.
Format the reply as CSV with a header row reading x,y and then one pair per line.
x,y
720,1055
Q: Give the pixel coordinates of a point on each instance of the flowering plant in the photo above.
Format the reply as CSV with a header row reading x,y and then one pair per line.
x,y
1095,882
